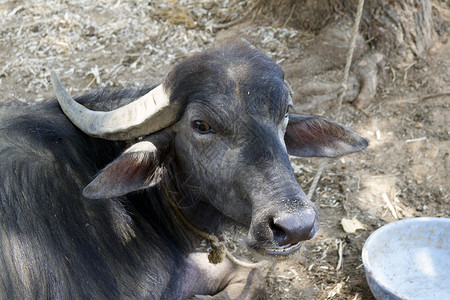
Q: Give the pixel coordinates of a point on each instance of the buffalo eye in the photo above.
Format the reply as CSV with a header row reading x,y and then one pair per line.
x,y
202,127
289,109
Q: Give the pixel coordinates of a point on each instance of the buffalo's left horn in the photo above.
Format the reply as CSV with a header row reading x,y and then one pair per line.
x,y
148,114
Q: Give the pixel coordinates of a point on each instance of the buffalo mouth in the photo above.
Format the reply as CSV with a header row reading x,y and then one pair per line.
x,y
283,250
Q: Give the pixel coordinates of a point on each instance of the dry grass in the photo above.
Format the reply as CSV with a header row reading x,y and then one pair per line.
x,y
114,42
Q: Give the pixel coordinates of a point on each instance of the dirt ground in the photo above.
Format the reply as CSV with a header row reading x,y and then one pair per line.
x,y
404,172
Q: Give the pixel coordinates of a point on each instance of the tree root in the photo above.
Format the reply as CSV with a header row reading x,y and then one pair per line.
x,y
366,73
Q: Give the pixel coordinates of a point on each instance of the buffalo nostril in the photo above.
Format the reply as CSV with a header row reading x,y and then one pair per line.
x,y
293,227
279,235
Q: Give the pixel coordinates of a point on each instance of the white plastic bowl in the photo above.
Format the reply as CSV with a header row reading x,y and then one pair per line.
x,y
409,259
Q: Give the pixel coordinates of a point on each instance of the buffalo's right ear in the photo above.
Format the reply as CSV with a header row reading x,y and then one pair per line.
x,y
308,136
139,167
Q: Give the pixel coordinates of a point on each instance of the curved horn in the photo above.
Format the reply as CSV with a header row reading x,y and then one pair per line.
x,y
148,114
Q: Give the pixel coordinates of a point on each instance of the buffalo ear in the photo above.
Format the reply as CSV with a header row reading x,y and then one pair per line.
x,y
137,168
308,136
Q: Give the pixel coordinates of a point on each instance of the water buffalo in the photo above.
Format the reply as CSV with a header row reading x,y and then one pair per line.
x,y
88,186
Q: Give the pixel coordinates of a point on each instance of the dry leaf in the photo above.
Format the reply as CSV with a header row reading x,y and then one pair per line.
x,y
336,290
351,225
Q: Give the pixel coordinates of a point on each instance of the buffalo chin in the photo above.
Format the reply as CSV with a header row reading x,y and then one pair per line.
x,y
284,250
276,253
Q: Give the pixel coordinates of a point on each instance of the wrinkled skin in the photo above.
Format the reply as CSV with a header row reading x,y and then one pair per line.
x,y
243,162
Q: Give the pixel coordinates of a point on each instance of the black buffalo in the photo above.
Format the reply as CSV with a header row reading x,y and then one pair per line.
x,y
86,195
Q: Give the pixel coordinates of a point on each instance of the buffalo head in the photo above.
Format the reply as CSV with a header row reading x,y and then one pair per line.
x,y
225,116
